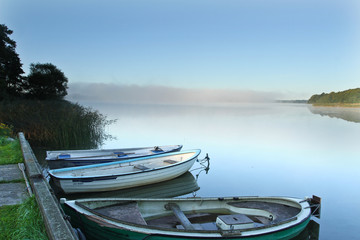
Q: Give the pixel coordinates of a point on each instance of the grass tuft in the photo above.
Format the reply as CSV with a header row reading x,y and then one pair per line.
x,y
10,151
22,221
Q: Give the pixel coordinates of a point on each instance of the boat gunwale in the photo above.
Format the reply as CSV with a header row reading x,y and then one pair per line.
x,y
295,220
67,177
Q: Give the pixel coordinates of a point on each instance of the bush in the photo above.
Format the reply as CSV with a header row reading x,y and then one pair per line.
x,y
5,130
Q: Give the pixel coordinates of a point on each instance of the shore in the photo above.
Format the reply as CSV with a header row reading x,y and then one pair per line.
x,y
345,105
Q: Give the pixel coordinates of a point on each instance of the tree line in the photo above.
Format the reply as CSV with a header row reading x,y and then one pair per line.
x,y
348,96
45,80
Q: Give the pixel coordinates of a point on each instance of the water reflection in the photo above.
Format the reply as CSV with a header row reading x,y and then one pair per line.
x,y
185,184
347,114
261,150
311,232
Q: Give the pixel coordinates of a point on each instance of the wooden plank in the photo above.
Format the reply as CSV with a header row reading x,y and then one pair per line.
x,y
180,215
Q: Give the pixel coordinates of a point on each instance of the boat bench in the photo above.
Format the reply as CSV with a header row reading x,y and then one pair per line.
x,y
170,161
141,167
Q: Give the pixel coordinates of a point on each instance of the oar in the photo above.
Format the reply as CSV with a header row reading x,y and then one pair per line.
x,y
107,155
22,168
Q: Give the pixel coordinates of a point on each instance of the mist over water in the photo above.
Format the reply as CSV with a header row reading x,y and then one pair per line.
x,y
259,149
110,93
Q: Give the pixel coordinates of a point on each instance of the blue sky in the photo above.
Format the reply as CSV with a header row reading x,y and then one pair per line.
x,y
294,48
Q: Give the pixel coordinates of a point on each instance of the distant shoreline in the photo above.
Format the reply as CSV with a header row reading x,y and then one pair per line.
x,y
347,105
291,101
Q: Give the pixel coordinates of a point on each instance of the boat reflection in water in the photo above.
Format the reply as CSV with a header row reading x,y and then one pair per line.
x,y
311,232
179,186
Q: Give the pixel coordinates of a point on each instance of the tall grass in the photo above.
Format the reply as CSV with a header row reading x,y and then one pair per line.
x,y
55,123
22,221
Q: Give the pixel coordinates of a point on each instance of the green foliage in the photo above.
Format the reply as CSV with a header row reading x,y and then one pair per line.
x,y
46,81
7,221
351,96
10,66
55,123
5,130
22,221
10,151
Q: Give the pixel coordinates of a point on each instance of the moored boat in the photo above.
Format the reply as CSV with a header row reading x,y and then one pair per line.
x,y
73,158
191,218
184,184
124,174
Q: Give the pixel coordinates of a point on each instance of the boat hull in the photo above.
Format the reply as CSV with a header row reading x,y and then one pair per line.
x,y
95,232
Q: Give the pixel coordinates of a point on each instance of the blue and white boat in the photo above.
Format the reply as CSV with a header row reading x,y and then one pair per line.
x,y
124,174
74,158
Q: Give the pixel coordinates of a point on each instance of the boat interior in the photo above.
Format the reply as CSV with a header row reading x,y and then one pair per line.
x,y
116,168
217,215
108,153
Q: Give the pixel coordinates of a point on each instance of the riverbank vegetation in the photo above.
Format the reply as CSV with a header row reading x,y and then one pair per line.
x,y
348,98
35,104
55,123
20,221
10,152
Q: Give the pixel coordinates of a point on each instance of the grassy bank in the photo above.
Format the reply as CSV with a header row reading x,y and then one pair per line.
x,y
55,123
21,221
10,151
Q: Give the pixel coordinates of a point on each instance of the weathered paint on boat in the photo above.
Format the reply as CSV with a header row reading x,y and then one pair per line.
x,y
124,174
96,227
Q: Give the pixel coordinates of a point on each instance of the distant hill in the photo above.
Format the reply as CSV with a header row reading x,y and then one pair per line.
x,y
351,96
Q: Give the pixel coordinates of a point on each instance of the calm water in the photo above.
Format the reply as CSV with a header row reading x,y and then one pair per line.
x,y
260,149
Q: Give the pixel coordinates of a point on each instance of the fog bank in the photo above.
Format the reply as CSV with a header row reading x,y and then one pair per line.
x,y
151,94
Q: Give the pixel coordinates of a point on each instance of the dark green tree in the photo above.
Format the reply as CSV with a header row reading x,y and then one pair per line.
x,y
46,81
11,81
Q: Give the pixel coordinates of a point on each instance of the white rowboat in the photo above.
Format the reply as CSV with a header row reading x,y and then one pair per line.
x,y
124,174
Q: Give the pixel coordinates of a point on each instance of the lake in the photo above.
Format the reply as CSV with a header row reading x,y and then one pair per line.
x,y
258,149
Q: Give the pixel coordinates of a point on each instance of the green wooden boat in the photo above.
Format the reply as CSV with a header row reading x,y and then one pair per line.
x,y
252,218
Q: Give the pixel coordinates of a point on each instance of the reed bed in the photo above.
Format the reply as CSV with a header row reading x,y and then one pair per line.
x,y
55,123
